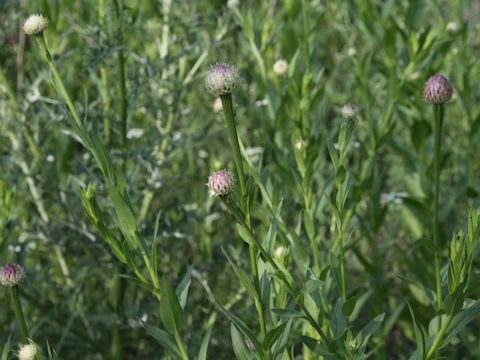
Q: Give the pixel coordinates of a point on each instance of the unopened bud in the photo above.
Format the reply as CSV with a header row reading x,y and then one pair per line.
x,y
437,90
11,274
222,79
221,183
349,111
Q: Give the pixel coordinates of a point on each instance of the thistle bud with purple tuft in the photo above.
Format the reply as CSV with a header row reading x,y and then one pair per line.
x,y
221,183
222,79
437,90
11,274
349,111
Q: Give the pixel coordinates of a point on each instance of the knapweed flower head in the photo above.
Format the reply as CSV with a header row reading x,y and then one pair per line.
x,y
280,67
437,90
222,79
349,111
217,105
221,182
35,24
27,352
11,274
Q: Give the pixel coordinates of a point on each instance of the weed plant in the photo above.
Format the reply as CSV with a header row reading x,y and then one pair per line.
x,y
341,214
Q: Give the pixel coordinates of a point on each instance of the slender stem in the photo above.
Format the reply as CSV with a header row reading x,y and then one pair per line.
x,y
438,114
342,250
340,230
439,337
17,309
103,75
121,81
58,81
232,133
180,345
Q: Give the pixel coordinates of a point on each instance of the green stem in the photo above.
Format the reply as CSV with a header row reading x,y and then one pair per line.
x,y
117,293
17,309
232,133
342,250
121,81
103,75
439,337
58,81
180,345
438,114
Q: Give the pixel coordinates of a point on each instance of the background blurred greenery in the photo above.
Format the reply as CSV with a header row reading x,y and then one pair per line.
x,y
375,54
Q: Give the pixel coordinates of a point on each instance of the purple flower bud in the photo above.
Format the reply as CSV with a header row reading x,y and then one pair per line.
x,y
11,274
221,183
349,111
222,79
437,90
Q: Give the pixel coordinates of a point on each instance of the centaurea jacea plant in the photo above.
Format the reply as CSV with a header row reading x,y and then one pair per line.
x,y
220,81
133,246
437,91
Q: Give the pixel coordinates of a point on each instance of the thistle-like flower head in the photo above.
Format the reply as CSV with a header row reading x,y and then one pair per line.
x,y
280,67
221,182
437,90
11,274
222,79
349,111
27,352
35,24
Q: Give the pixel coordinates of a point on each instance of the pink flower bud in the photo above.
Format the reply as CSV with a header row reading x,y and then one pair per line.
x,y
221,183
221,79
437,90
349,111
11,274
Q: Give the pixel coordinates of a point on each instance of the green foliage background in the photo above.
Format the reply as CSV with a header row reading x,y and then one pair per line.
x,y
375,54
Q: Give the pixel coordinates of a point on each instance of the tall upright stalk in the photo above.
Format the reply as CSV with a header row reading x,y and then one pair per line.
x,y
232,133
17,309
121,83
438,125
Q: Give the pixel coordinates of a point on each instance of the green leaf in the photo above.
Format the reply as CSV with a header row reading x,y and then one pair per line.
x,y
182,288
335,266
282,341
307,219
242,276
246,235
312,285
349,305
164,338
153,256
170,310
244,329
6,348
287,313
318,348
338,319
271,236
419,336
333,153
461,320
365,334
239,347
202,353
273,335
340,175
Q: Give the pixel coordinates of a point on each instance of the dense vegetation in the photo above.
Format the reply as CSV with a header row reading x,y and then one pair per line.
x,y
103,199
